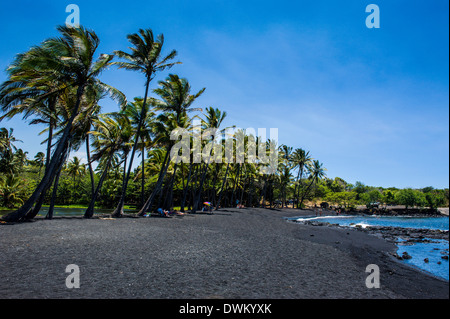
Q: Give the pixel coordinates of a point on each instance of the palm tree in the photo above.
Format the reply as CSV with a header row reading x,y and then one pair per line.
x,y
9,154
134,111
75,169
301,159
285,167
164,125
31,91
78,134
175,93
6,141
39,160
69,60
111,132
146,58
213,119
317,171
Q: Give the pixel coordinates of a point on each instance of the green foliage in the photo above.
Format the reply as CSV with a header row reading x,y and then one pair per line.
x,y
410,197
12,191
388,197
342,199
371,197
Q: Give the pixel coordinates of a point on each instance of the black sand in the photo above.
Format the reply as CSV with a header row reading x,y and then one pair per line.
x,y
234,253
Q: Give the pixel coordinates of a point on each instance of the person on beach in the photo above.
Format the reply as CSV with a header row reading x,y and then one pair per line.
x,y
162,212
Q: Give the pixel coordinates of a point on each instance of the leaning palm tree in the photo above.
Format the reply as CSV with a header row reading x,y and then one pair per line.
x,y
146,58
69,60
163,127
317,171
81,125
111,132
134,112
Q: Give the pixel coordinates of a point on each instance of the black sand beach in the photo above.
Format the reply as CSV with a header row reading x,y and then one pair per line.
x,y
234,253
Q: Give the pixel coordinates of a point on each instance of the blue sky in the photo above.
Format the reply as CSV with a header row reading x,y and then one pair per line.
x,y
371,104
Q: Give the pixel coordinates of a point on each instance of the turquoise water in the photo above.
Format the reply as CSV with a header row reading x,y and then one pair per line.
x,y
434,250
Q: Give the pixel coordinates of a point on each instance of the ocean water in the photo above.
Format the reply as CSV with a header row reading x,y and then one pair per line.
x,y
433,251
392,221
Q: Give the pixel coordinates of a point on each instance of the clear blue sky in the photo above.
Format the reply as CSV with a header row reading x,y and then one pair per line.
x,y
371,104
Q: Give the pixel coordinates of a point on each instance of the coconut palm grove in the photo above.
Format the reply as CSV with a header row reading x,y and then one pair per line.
x,y
56,85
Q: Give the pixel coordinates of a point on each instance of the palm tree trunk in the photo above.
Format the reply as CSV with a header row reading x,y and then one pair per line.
x,y
200,188
199,192
263,201
49,146
124,168
223,187
51,124
51,208
119,209
90,210
55,188
168,198
299,185
37,207
143,175
158,185
20,213
91,172
306,192
233,195
185,190
32,213
214,192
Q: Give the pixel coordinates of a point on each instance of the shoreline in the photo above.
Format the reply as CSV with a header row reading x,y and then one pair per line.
x,y
250,253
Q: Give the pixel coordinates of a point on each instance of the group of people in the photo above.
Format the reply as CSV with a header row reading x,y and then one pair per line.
x,y
166,213
318,210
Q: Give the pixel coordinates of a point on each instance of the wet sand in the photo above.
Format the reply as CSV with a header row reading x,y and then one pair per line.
x,y
233,253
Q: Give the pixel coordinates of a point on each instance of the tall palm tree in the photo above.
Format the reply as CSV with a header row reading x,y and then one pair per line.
x,y
164,125
134,111
75,169
78,134
146,58
111,132
213,119
285,167
301,159
68,60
